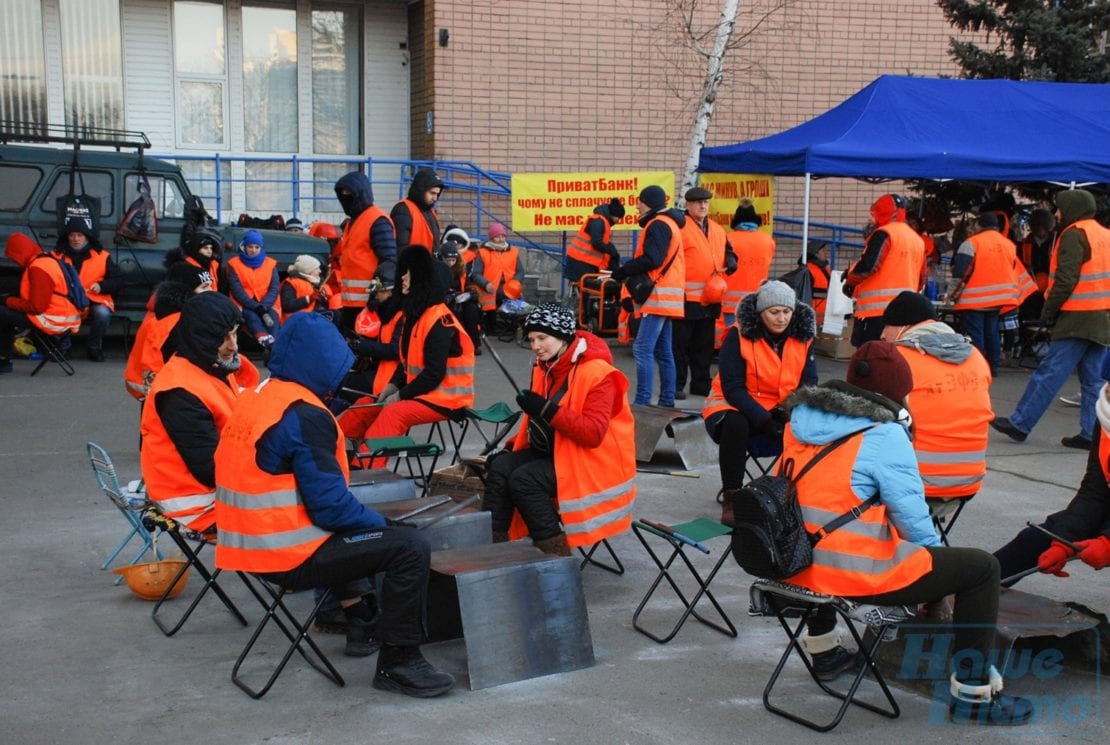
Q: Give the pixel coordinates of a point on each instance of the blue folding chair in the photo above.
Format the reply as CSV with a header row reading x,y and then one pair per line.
x,y
130,504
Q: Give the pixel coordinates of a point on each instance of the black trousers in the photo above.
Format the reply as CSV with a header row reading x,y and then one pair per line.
x,y
468,314
10,321
692,345
346,559
732,431
970,574
523,480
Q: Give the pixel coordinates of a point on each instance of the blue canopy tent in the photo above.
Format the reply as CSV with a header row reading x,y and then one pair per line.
x,y
944,129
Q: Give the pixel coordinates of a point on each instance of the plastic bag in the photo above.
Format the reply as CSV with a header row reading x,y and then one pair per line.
x,y
140,222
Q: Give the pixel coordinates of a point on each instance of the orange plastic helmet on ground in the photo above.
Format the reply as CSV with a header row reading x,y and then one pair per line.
x,y
513,289
714,290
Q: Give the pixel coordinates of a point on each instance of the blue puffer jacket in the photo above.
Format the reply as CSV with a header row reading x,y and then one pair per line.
x,y
309,351
886,464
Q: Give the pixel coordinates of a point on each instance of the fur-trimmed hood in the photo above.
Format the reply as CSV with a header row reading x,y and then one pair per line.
x,y
803,326
843,399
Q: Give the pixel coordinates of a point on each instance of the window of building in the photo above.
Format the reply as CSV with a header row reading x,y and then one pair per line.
x,y
92,63
22,64
200,64
336,96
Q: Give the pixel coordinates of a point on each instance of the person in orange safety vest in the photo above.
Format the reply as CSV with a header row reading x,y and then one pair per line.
x,y
569,480
369,240
755,250
889,552
414,217
496,264
302,289
100,277
253,284
591,249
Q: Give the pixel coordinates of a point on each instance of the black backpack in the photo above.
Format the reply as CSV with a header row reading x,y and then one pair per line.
x,y
769,539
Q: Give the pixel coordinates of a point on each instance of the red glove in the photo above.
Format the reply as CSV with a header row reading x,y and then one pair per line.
x,y
1052,561
1095,552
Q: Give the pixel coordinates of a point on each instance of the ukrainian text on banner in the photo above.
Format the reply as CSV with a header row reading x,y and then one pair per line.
x,y
729,188
561,201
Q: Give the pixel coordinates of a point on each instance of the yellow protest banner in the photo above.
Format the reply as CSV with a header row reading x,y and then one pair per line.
x,y
561,201
729,188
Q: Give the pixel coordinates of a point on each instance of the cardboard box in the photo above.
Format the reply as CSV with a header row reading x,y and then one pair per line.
x,y
837,347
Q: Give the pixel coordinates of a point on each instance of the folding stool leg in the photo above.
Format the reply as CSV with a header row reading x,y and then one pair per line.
x,y
136,529
321,664
945,524
50,353
588,557
192,559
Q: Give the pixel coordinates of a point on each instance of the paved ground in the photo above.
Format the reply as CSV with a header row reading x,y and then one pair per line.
x,y
83,663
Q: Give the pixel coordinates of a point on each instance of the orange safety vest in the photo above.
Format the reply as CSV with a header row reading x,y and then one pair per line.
x,y
900,268
991,283
213,271
60,315
596,486
255,282
93,269
135,374
302,288
421,232
755,250
770,378
704,255
456,390
1092,291
357,260
820,291
951,409
582,249
498,267
864,557
261,517
666,298
1025,284
1040,278
168,481
384,372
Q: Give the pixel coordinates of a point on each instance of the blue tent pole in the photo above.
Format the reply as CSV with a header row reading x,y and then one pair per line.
x,y
805,221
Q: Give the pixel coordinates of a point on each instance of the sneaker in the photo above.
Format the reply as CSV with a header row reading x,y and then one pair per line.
x,y
360,638
1000,710
1079,442
1072,401
829,666
404,670
96,354
5,366
1002,424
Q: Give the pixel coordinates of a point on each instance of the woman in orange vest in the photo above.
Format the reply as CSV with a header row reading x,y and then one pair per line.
x,y
284,508
890,554
497,264
462,297
253,282
436,374
569,479
100,277
301,289
201,250
766,354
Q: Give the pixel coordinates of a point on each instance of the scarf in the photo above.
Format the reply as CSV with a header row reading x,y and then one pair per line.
x,y
253,261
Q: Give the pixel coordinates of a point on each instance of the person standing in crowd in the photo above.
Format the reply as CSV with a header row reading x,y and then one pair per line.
x,y
253,283
659,256
765,356
1035,253
1085,522
186,409
755,250
368,241
461,298
709,257
907,564
817,262
892,261
281,470
1075,309
100,277
41,302
301,289
414,217
591,250
983,268
950,401
498,270
570,479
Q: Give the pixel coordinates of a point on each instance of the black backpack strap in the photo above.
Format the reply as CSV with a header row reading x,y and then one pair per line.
x,y
844,519
817,458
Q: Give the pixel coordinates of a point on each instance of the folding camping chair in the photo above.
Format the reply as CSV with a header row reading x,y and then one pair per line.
x,y
411,452
130,504
680,537
782,601
52,350
272,599
588,554
944,513
500,415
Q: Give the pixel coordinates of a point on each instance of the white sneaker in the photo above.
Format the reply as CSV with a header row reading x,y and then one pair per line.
x,y
1071,400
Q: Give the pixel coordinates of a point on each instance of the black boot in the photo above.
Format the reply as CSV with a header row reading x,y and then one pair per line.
x,y
404,670
361,623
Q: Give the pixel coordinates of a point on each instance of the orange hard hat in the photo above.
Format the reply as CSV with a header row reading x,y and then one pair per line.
x,y
513,289
325,230
714,290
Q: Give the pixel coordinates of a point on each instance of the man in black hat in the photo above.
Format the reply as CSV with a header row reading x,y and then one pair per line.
x,y
591,250
414,217
708,258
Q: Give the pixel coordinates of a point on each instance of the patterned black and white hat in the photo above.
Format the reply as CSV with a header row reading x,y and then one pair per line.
x,y
552,319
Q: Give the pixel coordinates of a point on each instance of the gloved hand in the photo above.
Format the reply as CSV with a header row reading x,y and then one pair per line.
x,y
389,394
627,305
532,404
1053,559
772,428
618,273
730,263
1095,552
780,415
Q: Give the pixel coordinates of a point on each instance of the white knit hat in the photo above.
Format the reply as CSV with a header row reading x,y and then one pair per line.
x,y
772,293
304,266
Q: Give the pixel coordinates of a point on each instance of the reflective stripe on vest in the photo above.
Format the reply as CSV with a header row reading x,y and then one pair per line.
x,y
864,557
1092,291
704,254
456,390
992,282
60,315
668,297
498,267
357,260
262,520
581,248
93,269
900,268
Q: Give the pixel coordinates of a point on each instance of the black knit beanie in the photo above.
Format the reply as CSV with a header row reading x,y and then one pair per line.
x,y
654,197
908,309
552,319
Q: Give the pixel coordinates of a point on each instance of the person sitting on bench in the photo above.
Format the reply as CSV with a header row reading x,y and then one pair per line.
x,y
890,554
574,458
